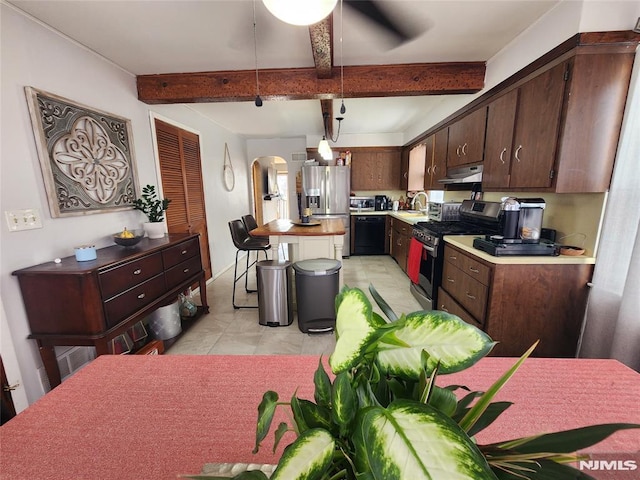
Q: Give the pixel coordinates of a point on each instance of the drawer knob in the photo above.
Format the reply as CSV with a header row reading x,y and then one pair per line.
x,y
474,270
183,252
186,270
141,296
472,297
137,272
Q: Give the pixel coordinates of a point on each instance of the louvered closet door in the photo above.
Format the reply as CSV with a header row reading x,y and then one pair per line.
x,y
181,172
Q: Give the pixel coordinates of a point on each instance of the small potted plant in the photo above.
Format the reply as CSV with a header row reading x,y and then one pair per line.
x,y
153,207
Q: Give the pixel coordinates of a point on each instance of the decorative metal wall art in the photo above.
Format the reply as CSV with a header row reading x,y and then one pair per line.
x,y
86,156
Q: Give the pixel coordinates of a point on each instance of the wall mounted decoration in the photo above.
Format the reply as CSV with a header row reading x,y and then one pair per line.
x,y
229,176
86,156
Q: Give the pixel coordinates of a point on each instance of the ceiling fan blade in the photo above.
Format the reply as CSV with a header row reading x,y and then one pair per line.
x,y
370,9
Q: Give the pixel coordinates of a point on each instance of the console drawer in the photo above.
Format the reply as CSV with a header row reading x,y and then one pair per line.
x,y
181,272
121,306
179,253
128,275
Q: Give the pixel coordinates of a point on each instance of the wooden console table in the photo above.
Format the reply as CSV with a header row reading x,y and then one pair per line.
x,y
90,303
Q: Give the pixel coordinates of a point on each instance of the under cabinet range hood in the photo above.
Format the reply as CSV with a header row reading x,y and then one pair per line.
x,y
472,174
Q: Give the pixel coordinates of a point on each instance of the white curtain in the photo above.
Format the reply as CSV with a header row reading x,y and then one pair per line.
x,y
612,323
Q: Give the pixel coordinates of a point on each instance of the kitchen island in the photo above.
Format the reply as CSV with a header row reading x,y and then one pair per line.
x,y
319,239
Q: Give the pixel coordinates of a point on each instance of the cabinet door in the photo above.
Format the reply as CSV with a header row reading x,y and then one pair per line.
x,y
439,167
428,164
361,170
536,129
387,169
417,167
466,139
501,118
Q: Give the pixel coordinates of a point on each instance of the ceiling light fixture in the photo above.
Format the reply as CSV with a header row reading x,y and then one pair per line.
x,y
258,100
298,12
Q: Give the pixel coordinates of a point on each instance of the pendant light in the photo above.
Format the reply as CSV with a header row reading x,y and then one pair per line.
x,y
323,147
300,12
258,100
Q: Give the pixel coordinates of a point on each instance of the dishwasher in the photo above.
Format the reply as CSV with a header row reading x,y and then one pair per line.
x,y
369,234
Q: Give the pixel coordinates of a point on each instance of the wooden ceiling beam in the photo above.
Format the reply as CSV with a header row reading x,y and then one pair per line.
x,y
303,83
321,35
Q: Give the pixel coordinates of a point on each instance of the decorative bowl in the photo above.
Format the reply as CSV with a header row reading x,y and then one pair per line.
x,y
130,241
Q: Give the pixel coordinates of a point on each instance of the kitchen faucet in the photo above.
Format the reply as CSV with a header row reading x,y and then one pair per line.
x,y
415,199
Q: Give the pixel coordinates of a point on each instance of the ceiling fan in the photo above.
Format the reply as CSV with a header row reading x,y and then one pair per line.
x,y
310,12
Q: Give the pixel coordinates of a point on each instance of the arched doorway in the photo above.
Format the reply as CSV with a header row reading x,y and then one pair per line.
x,y
270,188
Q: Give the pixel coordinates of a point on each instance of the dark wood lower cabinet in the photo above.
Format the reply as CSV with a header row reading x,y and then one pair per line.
x,y
518,304
91,303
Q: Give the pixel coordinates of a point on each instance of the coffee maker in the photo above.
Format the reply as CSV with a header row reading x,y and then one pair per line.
x,y
521,219
381,203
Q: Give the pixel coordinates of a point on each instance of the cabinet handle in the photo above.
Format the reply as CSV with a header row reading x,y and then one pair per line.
x,y
470,296
458,151
518,150
406,174
453,257
137,272
433,169
141,296
429,170
183,252
464,149
185,270
443,308
474,270
450,280
504,150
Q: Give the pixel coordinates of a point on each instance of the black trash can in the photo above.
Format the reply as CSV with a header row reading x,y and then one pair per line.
x,y
274,293
317,284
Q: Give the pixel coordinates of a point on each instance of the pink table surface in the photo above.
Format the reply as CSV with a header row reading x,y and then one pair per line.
x,y
139,417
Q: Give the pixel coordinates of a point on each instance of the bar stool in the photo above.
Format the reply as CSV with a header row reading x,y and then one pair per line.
x,y
249,223
245,243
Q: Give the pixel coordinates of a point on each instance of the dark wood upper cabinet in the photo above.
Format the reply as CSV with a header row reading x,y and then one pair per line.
x,y
466,139
554,126
498,150
536,129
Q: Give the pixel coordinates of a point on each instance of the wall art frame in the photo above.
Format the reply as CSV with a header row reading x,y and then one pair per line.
x,y
86,156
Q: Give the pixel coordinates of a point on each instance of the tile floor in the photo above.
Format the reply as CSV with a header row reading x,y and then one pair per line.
x,y
229,331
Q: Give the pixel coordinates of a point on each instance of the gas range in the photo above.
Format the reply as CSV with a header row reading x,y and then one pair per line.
x,y
431,233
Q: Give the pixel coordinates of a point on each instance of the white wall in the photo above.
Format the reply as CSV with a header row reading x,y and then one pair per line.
x,y
33,55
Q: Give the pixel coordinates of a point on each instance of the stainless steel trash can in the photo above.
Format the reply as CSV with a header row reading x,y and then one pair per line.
x,y
317,284
274,293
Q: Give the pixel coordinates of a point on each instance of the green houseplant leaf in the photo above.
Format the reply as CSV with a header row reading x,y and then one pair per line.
x,y
308,457
450,343
266,409
355,328
410,440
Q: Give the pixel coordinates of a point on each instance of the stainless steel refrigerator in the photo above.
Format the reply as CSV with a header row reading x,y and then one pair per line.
x,y
325,190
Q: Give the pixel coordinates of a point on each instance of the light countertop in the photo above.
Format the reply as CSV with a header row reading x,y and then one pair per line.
x,y
409,216
465,242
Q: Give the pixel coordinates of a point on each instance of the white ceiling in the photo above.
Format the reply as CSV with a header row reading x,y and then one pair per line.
x,y
169,36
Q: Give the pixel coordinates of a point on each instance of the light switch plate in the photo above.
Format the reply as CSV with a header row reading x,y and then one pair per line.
x,y
26,219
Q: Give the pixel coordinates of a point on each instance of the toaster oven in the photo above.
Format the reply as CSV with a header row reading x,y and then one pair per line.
x,y
444,212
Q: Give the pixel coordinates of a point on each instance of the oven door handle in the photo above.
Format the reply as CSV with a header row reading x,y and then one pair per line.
x,y
430,250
